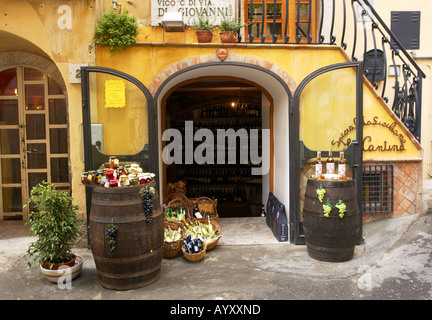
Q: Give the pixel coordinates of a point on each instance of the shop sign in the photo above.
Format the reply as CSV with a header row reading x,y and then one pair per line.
x,y
213,9
374,143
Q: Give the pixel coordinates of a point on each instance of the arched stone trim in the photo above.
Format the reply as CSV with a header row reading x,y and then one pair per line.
x,y
12,59
189,62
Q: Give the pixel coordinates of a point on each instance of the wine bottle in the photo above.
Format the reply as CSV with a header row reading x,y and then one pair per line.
x,y
342,165
330,164
318,165
197,213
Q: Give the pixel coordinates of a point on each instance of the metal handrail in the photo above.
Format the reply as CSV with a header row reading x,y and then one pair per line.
x,y
407,93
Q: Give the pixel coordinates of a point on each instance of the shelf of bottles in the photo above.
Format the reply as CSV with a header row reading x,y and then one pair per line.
x,y
224,182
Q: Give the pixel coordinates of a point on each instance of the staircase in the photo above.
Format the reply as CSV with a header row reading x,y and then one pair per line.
x,y
373,43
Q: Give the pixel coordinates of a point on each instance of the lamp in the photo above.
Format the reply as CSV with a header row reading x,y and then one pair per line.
x,y
173,22
117,5
240,105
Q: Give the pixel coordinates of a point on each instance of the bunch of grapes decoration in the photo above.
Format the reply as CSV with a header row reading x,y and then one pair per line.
x,y
327,207
146,194
111,233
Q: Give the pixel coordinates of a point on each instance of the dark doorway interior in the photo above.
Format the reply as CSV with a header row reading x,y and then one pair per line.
x,y
217,104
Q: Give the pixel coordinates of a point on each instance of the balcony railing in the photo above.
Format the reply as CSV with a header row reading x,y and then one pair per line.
x,y
273,22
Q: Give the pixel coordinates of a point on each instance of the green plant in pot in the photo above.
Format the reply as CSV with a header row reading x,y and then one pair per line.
x,y
229,27
116,30
55,222
203,26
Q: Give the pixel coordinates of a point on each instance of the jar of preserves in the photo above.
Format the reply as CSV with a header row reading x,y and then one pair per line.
x,y
124,180
134,168
113,162
121,171
133,180
99,175
84,177
141,178
91,177
109,174
113,183
127,168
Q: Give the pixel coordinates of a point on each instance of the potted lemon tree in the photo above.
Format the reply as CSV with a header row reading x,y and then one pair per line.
x,y
55,222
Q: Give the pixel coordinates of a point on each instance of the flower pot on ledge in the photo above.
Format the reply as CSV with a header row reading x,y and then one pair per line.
x,y
228,36
204,36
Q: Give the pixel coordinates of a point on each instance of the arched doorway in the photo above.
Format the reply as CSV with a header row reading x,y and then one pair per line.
x,y
230,110
33,130
272,90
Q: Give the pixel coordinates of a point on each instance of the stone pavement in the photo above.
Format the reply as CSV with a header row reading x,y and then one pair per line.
x,y
393,263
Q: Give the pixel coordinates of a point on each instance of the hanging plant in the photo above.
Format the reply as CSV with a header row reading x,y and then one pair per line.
x,y
116,30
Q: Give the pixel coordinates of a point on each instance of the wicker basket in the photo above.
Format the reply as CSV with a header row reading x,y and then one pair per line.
x,y
173,249
175,204
215,225
178,196
205,204
194,257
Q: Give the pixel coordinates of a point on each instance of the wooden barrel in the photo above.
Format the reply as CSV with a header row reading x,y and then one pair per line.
x,y
137,257
331,238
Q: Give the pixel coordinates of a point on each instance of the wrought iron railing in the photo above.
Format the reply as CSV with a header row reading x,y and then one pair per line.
x,y
406,95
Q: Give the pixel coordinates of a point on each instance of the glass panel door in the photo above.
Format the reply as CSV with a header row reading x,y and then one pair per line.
x,y
11,157
327,104
118,120
33,137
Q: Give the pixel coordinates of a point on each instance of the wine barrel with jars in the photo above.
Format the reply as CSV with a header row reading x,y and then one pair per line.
x,y
136,259
331,238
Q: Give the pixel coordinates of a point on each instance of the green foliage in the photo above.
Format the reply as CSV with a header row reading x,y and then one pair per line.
x,y
116,31
55,223
202,22
229,23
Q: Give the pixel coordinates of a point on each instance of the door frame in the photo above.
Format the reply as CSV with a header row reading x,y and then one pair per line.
x,y
222,78
22,126
300,154
151,123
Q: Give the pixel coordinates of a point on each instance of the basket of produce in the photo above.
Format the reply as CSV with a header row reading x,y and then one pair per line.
x,y
176,211
193,249
205,228
174,237
202,207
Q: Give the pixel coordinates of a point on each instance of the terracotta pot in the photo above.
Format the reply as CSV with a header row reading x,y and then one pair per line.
x,y
55,266
204,36
228,36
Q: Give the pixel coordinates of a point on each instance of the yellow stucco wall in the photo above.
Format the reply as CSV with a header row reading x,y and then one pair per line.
x,y
149,57
324,102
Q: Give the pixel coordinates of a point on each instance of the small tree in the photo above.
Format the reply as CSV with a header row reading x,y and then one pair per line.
x,y
55,223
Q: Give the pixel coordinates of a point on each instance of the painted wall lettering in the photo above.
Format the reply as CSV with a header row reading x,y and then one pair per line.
x,y
369,144
65,20
214,9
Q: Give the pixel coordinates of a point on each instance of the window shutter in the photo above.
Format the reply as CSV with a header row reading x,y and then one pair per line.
x,y
406,27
